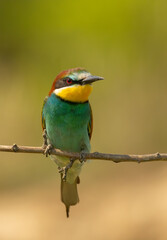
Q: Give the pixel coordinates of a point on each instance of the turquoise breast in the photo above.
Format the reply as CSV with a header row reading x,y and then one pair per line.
x,y
67,124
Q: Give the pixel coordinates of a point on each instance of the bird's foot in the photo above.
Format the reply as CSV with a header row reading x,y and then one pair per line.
x,y
48,150
47,147
82,157
44,135
65,169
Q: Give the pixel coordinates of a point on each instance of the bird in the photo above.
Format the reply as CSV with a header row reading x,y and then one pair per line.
x,y
67,124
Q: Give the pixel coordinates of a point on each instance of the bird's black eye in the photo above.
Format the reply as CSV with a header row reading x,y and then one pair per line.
x,y
68,81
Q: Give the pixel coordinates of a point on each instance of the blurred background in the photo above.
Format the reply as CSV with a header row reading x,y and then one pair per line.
x,y
124,41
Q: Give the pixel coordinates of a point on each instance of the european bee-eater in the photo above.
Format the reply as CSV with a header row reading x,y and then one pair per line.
x,y
67,121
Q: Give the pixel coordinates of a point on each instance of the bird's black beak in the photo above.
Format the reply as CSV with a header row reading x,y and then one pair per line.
x,y
91,79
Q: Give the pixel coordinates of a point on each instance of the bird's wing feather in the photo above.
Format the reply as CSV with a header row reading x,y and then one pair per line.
x,y
42,115
90,124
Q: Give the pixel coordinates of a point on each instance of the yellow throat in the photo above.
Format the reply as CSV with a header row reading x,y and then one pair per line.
x,y
75,93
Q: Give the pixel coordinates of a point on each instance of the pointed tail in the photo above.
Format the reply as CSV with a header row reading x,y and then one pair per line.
x,y
69,194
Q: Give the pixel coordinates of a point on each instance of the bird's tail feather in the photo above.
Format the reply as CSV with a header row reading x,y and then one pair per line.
x,y
69,194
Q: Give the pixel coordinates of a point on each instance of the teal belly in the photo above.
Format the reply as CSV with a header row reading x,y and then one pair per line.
x,y
66,124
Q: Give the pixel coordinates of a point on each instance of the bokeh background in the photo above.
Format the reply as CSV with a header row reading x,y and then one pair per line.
x,y
124,41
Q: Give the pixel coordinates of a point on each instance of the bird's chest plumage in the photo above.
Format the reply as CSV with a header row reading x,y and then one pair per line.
x,y
66,124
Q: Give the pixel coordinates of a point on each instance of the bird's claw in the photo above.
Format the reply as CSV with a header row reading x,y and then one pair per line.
x,y
82,157
48,150
47,147
63,171
44,135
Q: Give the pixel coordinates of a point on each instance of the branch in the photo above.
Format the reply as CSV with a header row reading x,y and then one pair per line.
x,y
95,155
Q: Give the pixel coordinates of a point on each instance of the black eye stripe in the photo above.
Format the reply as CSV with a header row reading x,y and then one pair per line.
x,y
63,82
80,82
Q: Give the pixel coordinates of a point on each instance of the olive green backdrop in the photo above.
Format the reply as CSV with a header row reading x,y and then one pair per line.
x,y
124,41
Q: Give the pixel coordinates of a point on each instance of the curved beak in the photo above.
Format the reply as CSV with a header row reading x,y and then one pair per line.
x,y
91,79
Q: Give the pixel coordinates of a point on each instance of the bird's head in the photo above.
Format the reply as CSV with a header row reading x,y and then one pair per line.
x,y
73,85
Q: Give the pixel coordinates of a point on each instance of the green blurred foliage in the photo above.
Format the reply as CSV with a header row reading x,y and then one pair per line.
x,y
123,41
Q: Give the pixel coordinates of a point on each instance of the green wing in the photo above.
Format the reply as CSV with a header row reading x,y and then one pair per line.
x,y
90,124
42,115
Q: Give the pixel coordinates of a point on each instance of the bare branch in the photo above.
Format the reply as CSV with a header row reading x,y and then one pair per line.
x,y
95,155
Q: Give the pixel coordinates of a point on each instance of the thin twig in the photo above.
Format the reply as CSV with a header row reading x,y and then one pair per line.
x,y
95,155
